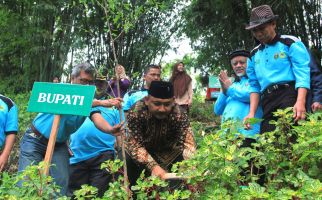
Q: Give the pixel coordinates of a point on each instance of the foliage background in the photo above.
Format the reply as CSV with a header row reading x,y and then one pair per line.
x,y
42,39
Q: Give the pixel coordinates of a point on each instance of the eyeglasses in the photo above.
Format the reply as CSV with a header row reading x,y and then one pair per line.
x,y
85,81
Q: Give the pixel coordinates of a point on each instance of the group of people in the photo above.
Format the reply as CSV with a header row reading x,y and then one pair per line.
x,y
278,73
84,143
274,75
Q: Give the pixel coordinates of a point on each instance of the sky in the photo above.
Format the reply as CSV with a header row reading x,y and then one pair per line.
x,y
182,47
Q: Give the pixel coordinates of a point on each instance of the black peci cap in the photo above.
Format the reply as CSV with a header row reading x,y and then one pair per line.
x,y
239,52
161,89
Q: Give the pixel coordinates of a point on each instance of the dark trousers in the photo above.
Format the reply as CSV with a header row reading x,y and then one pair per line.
x,y
247,142
278,99
134,170
90,172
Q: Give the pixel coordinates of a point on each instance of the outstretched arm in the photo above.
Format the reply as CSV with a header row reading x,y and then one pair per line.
x,y
299,107
254,100
117,102
104,126
10,139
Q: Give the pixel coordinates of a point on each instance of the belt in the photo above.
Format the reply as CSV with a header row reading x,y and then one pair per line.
x,y
270,89
42,137
36,132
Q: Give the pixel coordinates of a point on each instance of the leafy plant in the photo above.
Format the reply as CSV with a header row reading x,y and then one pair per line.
x,y
291,156
33,184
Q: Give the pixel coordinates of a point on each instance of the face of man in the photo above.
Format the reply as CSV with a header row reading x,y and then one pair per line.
x,y
159,108
83,79
239,64
152,75
265,33
180,67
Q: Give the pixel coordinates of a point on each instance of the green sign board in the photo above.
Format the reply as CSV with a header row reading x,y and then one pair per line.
x,y
57,98
214,82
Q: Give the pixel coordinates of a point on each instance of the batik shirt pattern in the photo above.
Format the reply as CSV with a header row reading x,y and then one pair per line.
x,y
152,141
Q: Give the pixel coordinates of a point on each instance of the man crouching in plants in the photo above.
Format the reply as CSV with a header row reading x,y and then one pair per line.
x,y
8,128
159,134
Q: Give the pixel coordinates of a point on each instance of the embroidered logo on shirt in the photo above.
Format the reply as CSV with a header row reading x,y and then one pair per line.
x,y
282,55
1,108
276,56
257,62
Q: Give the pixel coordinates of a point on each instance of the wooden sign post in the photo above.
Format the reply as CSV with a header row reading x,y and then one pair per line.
x,y
69,99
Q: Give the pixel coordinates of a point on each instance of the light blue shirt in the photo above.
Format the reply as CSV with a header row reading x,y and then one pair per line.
x,y
132,97
68,124
285,60
88,142
8,118
235,106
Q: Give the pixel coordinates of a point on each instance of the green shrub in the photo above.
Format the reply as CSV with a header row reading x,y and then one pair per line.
x,y
35,185
293,168
202,111
220,169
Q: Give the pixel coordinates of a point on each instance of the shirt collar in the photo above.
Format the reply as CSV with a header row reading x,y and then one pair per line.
x,y
275,39
143,89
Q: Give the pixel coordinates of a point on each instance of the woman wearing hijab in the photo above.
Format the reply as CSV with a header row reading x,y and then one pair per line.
x,y
182,84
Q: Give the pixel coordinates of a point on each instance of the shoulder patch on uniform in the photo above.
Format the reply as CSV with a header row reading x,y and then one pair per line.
x,y
7,101
258,47
132,92
288,40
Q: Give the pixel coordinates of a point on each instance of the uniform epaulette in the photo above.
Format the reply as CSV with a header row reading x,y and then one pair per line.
x,y
288,40
7,101
258,47
132,92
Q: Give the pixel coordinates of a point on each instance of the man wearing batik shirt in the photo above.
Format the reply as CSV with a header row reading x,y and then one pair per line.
x,y
159,134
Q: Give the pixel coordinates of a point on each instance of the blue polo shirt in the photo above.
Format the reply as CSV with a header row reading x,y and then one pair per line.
x,y
68,124
235,106
88,142
132,97
285,59
8,119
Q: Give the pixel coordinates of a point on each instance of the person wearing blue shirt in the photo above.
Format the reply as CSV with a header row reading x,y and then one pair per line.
x,y
314,96
151,73
233,101
34,142
278,69
8,128
91,147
